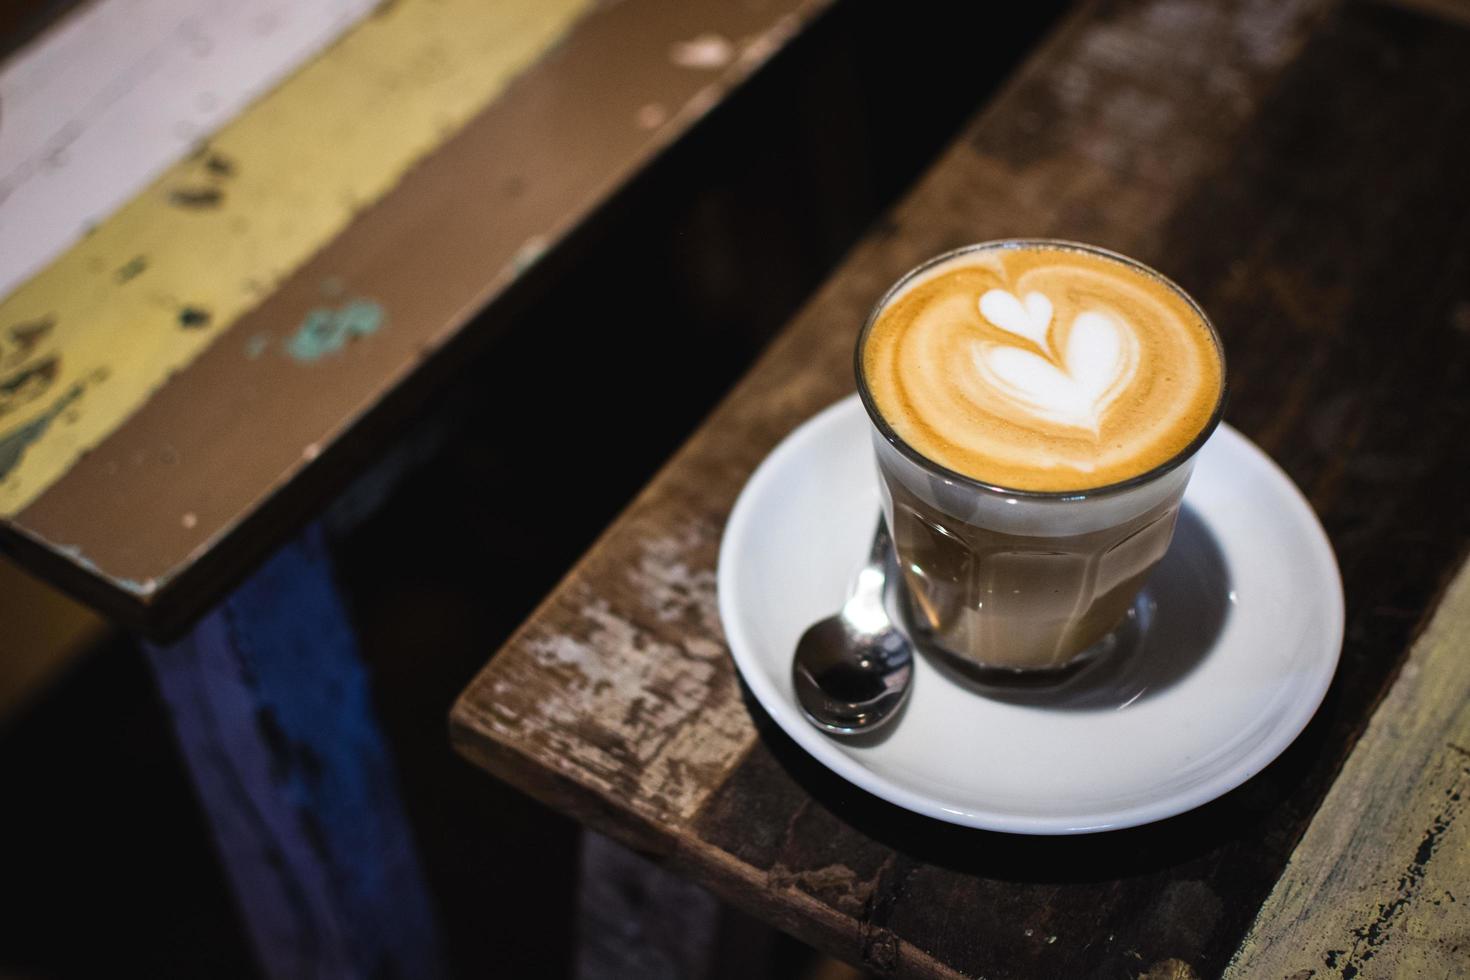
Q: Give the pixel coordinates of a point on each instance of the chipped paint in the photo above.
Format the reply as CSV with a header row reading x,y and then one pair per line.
x,y
196,197
652,116
327,331
142,588
528,254
649,701
14,442
265,193
27,384
1376,932
132,269
194,317
1371,890
707,51
23,338
98,107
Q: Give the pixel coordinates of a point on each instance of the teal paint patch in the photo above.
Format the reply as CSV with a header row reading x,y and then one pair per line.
x,y
14,444
326,331
528,254
256,346
27,384
144,588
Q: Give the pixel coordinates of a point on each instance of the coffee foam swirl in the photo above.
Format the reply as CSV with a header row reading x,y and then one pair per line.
x,y
1042,367
1073,387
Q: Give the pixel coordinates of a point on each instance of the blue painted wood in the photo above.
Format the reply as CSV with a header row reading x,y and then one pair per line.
x,y
271,706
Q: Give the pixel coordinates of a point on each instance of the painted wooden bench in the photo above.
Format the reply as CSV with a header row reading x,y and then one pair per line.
x,y
197,371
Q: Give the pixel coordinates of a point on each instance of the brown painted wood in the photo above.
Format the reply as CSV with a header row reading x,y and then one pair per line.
x,y
235,451
1260,154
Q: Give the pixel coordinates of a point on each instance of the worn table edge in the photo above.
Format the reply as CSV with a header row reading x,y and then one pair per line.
x,y
818,925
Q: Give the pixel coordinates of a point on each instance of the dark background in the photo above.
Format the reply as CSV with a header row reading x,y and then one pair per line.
x,y
105,861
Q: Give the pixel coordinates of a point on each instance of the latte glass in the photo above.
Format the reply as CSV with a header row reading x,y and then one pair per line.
x,y
1021,580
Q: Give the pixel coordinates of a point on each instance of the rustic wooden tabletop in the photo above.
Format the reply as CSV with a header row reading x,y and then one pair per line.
x,y
1298,167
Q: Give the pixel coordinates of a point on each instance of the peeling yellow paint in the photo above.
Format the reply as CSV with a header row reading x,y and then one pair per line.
x,y
156,283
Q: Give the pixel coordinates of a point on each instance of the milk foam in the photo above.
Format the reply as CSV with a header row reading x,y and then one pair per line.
x,y
1042,366
1073,387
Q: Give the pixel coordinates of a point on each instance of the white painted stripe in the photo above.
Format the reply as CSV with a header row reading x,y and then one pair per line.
x,y
99,106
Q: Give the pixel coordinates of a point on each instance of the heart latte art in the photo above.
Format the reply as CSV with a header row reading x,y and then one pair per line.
x,y
1042,366
1071,389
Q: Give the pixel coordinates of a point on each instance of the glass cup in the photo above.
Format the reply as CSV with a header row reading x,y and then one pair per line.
x,y
1016,580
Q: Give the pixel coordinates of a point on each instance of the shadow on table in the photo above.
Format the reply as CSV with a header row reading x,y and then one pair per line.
x,y
1191,589
1237,817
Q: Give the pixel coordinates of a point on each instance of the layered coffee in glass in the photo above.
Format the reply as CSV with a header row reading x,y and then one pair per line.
x,y
1036,408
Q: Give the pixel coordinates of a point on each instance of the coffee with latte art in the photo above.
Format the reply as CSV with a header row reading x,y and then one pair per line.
x,y
1042,367
1071,387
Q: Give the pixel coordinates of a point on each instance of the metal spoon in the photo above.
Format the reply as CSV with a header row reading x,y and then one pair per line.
x,y
853,670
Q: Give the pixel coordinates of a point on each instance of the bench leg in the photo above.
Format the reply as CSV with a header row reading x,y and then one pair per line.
x,y
271,706
637,919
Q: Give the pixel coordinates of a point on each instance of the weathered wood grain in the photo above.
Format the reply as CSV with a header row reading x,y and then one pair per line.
x,y
1380,884
654,730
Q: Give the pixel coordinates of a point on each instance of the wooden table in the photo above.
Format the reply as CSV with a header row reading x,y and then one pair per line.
x,y
1298,167
186,385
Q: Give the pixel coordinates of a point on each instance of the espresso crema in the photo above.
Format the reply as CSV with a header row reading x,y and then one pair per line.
x,y
1043,366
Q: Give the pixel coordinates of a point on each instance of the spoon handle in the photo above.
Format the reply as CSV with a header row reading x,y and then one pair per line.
x,y
866,592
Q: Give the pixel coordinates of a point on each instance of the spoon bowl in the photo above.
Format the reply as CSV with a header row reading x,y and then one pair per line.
x,y
853,670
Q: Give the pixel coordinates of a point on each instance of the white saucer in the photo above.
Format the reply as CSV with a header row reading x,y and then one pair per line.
x,y
1247,626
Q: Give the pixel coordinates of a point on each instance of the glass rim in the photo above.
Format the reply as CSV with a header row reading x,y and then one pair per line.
x,y
913,455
